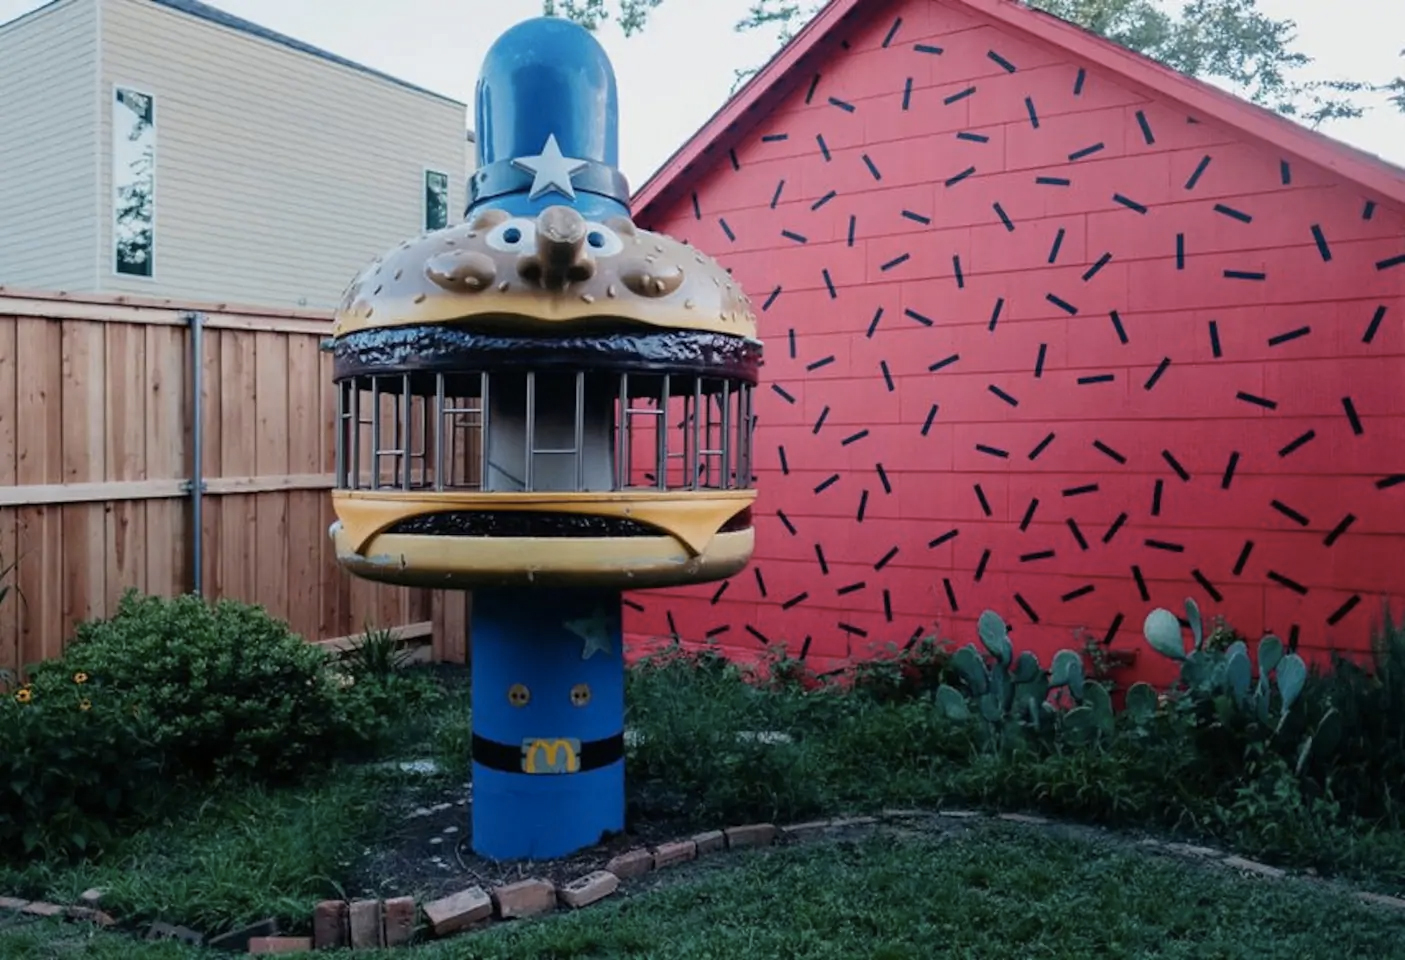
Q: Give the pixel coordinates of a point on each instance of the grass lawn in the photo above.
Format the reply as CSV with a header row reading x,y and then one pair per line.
x,y
988,890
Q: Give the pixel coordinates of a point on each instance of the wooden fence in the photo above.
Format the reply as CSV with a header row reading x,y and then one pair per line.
x,y
96,471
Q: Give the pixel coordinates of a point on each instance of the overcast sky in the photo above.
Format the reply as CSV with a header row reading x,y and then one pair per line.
x,y
439,44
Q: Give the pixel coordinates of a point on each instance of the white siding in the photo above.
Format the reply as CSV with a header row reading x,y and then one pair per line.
x,y
279,175
48,148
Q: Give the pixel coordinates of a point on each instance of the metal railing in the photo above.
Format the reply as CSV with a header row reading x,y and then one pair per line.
x,y
544,430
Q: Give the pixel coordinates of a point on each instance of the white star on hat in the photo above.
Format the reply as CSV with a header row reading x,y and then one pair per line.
x,y
551,170
595,631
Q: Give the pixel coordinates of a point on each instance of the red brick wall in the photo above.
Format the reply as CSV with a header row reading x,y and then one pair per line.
x,y
1067,370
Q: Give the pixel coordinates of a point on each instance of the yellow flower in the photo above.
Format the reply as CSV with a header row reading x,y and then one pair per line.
x,y
80,677
85,704
24,695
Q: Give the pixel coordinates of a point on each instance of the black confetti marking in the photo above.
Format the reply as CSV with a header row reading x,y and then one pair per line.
x,y
892,31
1041,446
1029,514
953,181
1298,442
1003,395
1352,417
819,364
1117,326
1245,275
1283,581
1293,638
995,314
887,376
980,567
776,198
790,527
1394,480
760,637
1156,491
1093,270
790,336
1342,526
899,260
717,631
829,284
851,588
826,483
810,93
824,147
1053,181
1368,212
1086,151
926,48
883,478
1289,336
760,582
1199,172
1142,591
1082,591
1037,555
1207,586
1239,215
1289,512
1374,325
1105,449
717,594
927,424
1215,339
1180,251
1257,401
1077,533
1078,82
962,95
917,217
863,507
1174,464
775,138
1320,238
852,630
824,199
1039,360
1058,242
841,104
973,137
1243,557
1116,525
853,222
1028,610
887,605
1229,469
873,324
1009,67
736,164
944,362
781,392
697,209
992,451
853,438
1062,304
1096,378
819,555
872,167
1113,628
1147,135
950,594
912,314
771,299
985,504
1340,613
1166,545
727,230
1285,172
1004,217
1033,113
944,538
956,269
886,559
907,93
792,235
1129,203
1081,490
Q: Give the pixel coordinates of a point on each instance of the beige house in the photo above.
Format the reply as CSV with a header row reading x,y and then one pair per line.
x,y
164,148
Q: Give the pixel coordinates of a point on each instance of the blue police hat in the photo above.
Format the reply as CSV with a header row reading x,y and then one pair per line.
x,y
547,117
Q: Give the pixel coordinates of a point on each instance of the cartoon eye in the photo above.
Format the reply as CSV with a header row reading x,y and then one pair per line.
x,y
602,241
518,695
513,236
580,694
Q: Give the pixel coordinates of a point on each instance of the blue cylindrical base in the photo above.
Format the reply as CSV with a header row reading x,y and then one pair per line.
x,y
548,721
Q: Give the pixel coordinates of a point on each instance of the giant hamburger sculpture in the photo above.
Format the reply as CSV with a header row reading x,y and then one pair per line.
x,y
546,405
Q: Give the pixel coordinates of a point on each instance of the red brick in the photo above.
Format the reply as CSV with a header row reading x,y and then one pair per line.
x,y
399,921
270,945
365,924
751,835
525,898
634,863
329,920
456,912
591,888
710,842
667,854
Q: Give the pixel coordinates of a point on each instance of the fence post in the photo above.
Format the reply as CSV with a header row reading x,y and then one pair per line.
x,y
196,484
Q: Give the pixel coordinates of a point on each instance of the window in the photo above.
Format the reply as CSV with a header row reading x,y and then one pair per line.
x,y
133,181
436,200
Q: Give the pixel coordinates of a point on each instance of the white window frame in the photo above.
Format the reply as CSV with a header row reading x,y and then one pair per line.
x,y
424,198
112,182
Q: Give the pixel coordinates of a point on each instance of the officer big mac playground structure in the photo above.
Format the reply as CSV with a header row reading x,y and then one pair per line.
x,y
547,405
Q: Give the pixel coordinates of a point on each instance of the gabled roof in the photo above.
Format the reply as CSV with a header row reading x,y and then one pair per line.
x,y
823,34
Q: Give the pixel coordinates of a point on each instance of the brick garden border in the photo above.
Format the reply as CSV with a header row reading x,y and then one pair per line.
x,y
375,924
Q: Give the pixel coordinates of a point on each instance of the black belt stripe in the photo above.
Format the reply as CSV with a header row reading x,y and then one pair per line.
x,y
507,757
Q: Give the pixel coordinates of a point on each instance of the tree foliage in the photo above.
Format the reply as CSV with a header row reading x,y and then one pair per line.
x,y
1228,40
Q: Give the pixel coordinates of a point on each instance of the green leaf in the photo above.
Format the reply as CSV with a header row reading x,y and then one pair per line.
x,y
1141,702
1163,631
1270,654
953,705
1292,676
994,636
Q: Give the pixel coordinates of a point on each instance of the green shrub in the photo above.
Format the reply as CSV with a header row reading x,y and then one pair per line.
x,y
228,689
75,757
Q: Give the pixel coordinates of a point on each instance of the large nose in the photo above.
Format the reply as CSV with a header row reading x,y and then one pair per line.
x,y
560,257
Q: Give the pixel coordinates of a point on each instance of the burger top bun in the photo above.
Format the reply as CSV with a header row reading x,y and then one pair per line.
x,y
554,268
